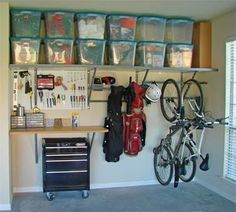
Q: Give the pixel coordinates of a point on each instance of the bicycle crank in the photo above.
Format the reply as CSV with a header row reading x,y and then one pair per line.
x,y
182,168
177,173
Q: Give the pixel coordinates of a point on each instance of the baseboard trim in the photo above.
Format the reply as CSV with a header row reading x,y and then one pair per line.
x,y
92,186
122,184
5,207
27,189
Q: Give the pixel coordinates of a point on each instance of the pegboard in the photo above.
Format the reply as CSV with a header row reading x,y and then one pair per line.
x,y
68,91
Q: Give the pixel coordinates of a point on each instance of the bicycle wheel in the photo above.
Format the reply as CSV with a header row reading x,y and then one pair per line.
x,y
163,166
170,100
192,99
188,162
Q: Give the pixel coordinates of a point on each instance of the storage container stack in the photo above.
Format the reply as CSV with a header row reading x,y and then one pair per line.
x,y
121,44
179,38
59,39
90,44
25,40
150,34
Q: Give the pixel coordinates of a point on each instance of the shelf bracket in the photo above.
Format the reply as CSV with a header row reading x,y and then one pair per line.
x,y
145,76
92,139
194,74
91,86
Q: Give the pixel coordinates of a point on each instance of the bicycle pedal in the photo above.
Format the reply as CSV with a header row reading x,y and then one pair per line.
x,y
204,164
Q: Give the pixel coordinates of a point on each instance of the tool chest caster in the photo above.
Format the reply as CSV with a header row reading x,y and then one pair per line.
x,y
65,166
50,196
85,194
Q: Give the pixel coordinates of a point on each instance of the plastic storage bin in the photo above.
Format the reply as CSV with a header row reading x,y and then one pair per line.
x,y
25,50
150,28
90,51
179,55
91,25
150,54
179,30
122,52
59,24
59,51
25,23
121,27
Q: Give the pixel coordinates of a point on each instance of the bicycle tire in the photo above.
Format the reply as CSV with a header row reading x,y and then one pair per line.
x,y
170,100
158,156
192,90
189,163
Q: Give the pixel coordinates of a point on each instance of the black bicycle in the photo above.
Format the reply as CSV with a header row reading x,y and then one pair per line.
x,y
190,96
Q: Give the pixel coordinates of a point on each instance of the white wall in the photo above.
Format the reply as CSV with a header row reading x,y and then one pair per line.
x,y
27,176
5,177
223,28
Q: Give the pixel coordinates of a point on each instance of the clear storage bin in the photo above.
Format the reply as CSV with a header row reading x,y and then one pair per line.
x,y
179,55
90,51
59,51
150,54
150,28
25,50
122,27
122,52
59,24
179,30
91,25
25,23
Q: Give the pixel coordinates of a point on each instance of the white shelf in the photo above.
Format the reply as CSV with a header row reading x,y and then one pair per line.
x,y
72,67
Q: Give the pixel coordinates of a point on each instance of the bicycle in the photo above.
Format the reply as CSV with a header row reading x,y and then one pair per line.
x,y
190,96
183,156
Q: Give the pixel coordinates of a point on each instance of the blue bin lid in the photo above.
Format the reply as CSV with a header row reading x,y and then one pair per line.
x,y
62,39
60,11
25,38
26,11
153,16
175,18
179,44
125,41
91,13
152,42
122,15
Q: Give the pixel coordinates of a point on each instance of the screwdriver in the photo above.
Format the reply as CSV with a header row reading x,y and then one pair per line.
x,y
41,96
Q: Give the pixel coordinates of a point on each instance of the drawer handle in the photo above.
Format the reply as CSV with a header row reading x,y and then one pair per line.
x,y
52,161
59,155
65,172
68,147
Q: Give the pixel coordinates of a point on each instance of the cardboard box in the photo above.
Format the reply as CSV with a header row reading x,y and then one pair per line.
x,y
202,45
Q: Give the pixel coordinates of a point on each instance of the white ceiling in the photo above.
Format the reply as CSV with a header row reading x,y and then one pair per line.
x,y
196,9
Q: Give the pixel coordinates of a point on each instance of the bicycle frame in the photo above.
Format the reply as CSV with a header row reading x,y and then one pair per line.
x,y
183,138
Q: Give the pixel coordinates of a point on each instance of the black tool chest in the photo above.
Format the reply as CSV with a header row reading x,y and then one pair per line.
x,y
65,165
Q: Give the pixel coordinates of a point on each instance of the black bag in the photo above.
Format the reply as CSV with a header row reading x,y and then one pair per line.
x,y
113,139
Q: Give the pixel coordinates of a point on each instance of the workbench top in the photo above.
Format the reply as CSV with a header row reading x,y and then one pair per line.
x,y
60,130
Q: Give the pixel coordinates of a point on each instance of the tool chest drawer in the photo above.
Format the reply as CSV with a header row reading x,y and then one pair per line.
x,y
65,164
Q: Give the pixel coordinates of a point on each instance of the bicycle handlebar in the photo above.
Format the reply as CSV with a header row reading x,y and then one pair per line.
x,y
210,124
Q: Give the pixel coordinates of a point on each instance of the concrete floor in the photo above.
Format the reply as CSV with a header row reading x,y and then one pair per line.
x,y
188,197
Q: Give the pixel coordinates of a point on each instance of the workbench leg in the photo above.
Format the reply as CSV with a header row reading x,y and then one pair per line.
x,y
92,139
